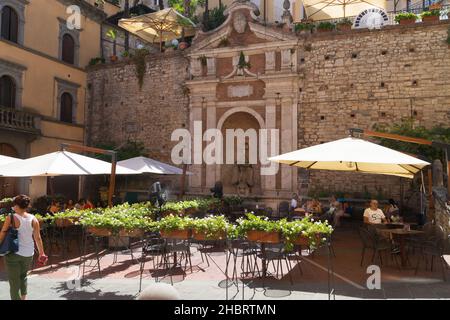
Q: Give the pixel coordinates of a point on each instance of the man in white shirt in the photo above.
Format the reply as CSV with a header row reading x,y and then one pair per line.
x,y
373,214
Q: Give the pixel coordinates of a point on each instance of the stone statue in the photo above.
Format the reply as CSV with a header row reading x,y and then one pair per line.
x,y
438,173
243,179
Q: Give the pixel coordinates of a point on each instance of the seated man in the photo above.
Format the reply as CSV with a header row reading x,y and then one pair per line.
x,y
374,215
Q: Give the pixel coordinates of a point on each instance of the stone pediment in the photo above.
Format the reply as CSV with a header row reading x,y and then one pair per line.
x,y
242,27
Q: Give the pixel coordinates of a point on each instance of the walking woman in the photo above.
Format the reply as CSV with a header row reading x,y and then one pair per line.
x,y
18,264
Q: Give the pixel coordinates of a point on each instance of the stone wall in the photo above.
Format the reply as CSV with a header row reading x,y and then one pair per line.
x,y
119,110
356,79
364,78
441,208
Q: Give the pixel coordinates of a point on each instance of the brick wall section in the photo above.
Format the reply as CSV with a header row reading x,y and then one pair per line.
x,y
364,78
119,110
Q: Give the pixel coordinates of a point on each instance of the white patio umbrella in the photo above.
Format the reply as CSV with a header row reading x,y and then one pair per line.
x,y
58,164
6,160
147,165
353,155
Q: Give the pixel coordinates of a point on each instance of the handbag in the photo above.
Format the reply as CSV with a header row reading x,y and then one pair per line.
x,y
10,243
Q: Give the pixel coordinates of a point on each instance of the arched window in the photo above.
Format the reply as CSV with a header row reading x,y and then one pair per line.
x,y
68,49
10,24
66,111
7,92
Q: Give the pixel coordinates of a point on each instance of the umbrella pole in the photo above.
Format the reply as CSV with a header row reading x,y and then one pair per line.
x,y
183,182
112,181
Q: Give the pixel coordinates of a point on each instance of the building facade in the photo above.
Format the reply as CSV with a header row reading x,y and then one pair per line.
x,y
43,78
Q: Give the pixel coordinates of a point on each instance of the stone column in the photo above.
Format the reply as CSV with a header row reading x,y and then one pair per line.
x,y
211,123
271,123
286,141
195,180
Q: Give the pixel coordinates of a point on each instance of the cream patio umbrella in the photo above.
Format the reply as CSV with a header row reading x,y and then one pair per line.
x,y
160,26
147,165
353,155
60,163
6,160
333,9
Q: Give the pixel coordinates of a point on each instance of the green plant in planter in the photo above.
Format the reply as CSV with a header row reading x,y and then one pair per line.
x,y
345,22
326,25
211,226
315,232
233,201
256,223
172,223
431,13
302,26
405,16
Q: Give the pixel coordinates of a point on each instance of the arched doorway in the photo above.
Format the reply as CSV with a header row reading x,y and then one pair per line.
x,y
249,173
9,187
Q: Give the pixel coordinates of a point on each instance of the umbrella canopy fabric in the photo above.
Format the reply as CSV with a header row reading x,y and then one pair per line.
x,y
160,26
353,155
333,9
58,164
147,165
6,160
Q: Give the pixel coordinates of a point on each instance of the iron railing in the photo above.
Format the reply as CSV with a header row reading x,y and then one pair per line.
x,y
18,120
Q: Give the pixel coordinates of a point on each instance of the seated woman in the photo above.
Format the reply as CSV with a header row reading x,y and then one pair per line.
x,y
392,211
338,211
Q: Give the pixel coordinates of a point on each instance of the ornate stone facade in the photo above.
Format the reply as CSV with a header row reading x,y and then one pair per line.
x,y
312,88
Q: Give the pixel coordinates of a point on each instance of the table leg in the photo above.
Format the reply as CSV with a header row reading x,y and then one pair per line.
x,y
403,251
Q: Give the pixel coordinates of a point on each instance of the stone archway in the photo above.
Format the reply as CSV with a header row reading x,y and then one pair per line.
x,y
9,187
229,174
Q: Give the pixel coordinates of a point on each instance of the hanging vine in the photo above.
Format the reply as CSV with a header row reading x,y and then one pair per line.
x,y
140,64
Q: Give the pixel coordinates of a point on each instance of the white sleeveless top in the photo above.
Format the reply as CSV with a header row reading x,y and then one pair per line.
x,y
26,241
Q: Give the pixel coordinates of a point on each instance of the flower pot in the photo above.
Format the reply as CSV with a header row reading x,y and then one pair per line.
x,y
63,222
263,236
176,234
100,232
183,45
114,58
430,19
202,236
135,233
301,241
406,21
344,27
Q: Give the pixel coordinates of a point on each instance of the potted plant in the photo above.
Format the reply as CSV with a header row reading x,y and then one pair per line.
x,y
172,208
259,229
112,34
431,16
210,228
135,227
305,232
175,227
67,218
325,26
303,28
101,225
344,24
405,18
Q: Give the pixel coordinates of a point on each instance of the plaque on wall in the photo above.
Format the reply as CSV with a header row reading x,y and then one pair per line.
x,y
240,91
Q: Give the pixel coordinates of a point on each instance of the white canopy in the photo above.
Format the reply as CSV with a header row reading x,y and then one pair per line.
x,y
58,164
147,165
352,154
5,160
333,9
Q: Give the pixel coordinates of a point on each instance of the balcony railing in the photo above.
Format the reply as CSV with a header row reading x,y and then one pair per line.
x,y
17,120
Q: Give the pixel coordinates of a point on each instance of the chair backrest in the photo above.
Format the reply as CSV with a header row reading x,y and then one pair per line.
x,y
283,209
367,238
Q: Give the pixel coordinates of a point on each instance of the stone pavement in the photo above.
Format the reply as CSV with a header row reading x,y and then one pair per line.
x,y
120,280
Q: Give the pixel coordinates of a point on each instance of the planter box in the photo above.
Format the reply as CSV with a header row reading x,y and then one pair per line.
x,y
324,30
176,234
202,236
406,21
344,27
430,19
190,211
137,233
64,223
100,232
301,241
263,237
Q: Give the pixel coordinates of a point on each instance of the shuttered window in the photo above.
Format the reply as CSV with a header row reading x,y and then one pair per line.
x,y
68,49
66,108
7,92
10,24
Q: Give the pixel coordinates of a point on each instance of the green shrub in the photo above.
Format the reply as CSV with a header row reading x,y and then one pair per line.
x,y
431,13
405,16
326,25
211,225
303,27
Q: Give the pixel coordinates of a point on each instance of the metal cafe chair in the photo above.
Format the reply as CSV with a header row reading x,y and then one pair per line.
x,y
275,254
434,247
371,241
153,247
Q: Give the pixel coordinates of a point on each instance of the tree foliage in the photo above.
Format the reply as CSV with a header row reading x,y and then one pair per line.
x,y
130,149
407,128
